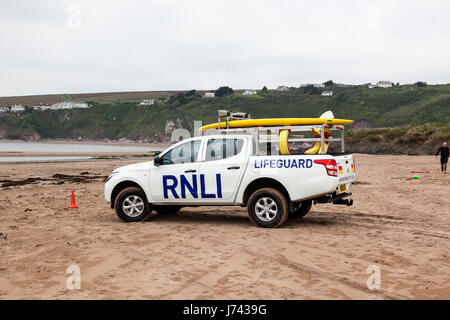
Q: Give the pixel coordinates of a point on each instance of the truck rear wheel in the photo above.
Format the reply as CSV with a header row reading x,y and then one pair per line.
x,y
164,210
301,209
131,205
268,208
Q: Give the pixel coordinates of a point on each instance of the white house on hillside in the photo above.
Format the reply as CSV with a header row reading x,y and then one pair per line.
x,y
41,107
209,94
249,92
4,109
17,108
384,84
147,102
327,93
69,105
283,88
316,85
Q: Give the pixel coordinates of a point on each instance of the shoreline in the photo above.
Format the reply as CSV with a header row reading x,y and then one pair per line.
x,y
93,141
67,154
42,156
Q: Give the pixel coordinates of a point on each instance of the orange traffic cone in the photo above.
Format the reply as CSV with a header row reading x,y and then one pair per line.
x,y
73,205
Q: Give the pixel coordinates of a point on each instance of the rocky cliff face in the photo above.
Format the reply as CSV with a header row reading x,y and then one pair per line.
x,y
9,131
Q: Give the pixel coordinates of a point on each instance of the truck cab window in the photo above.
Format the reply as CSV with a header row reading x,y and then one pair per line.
x,y
218,149
184,153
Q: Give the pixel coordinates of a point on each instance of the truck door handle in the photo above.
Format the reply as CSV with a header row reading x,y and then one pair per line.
x,y
233,168
190,171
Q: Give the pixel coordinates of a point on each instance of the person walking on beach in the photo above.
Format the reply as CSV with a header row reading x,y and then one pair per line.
x,y
444,156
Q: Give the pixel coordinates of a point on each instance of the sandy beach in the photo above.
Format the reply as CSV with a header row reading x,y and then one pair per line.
x,y
401,227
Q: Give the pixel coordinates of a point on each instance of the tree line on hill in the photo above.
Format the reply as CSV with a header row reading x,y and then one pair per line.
x,y
396,106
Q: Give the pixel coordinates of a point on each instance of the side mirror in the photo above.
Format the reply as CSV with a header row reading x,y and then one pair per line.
x,y
157,160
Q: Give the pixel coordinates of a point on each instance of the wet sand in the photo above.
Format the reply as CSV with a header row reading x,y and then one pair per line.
x,y
400,226
79,152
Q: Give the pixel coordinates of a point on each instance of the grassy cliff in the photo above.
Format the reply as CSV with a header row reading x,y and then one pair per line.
x,y
407,106
412,140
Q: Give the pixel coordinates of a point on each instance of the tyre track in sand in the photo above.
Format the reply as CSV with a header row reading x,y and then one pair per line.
x,y
382,222
298,267
189,281
327,275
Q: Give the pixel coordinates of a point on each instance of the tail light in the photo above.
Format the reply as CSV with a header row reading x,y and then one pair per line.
x,y
353,165
330,166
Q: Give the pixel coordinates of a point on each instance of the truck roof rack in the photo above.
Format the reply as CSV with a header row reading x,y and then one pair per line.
x,y
270,134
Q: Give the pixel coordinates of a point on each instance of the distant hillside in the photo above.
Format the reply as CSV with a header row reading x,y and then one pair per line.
x,y
101,97
114,118
376,107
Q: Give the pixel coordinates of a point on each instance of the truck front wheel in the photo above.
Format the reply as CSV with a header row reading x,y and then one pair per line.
x,y
301,209
131,205
268,208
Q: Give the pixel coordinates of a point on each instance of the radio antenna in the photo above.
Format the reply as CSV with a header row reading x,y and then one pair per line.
x,y
228,93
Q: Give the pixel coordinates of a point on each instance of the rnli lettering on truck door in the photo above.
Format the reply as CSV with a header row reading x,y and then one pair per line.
x,y
192,185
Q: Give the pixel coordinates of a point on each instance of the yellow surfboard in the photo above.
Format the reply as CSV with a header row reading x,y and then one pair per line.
x,y
275,122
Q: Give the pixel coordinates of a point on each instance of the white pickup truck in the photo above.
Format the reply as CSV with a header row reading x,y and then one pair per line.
x,y
224,170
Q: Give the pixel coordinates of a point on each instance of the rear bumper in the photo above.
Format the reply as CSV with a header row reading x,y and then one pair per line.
x,y
335,199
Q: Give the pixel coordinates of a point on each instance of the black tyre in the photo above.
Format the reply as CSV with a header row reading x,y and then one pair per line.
x,y
301,209
131,205
167,209
268,208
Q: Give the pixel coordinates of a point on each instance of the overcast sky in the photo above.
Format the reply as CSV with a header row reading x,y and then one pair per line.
x,y
97,46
